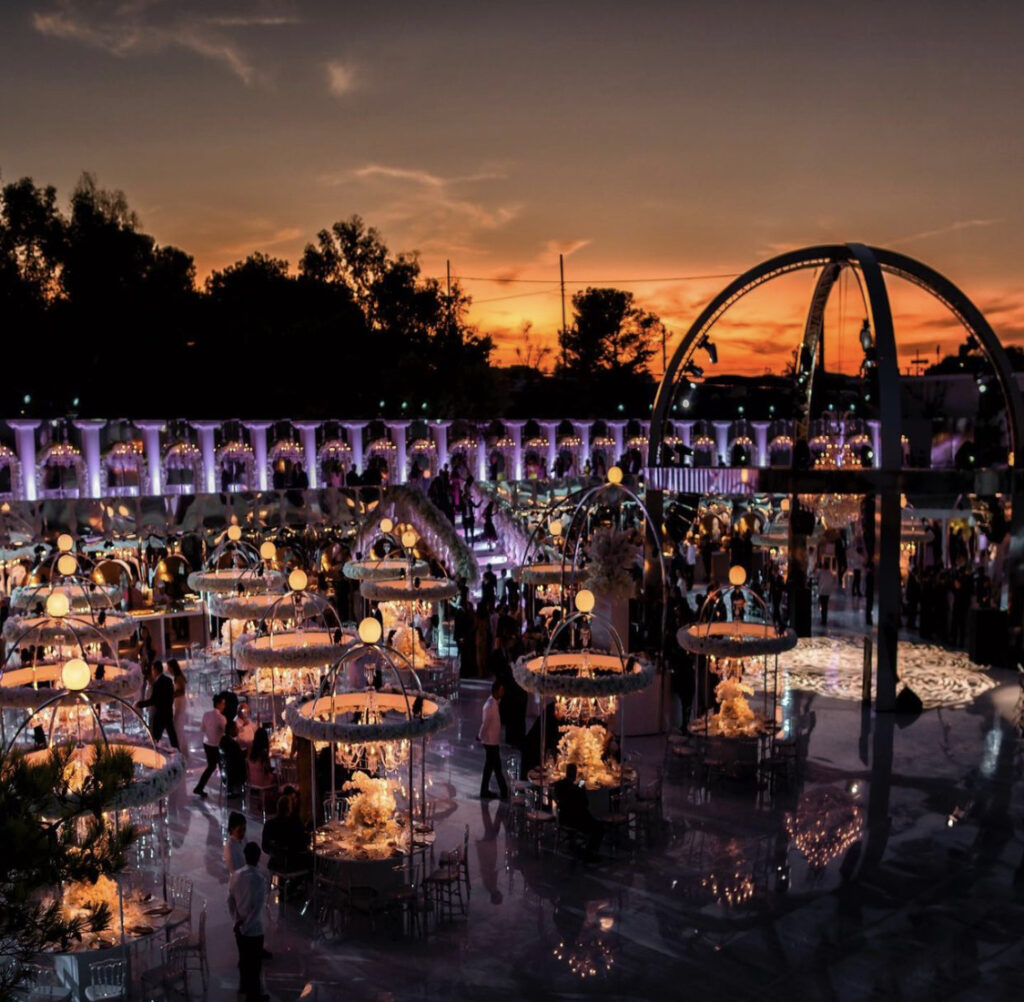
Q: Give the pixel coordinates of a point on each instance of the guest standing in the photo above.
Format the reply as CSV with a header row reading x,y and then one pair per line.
x,y
489,736
161,698
247,897
180,703
213,727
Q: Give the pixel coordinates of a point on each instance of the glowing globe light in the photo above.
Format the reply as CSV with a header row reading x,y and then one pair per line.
x,y
268,550
57,605
386,525
370,630
585,600
737,576
66,564
615,475
65,543
555,527
297,580
234,533
75,675
409,538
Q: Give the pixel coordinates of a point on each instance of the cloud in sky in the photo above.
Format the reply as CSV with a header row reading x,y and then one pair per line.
x,y
138,27
341,78
964,224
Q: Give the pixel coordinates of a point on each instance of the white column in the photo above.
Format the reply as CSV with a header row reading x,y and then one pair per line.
x,y
441,440
308,429
399,429
258,437
645,429
550,432
90,429
514,430
761,441
355,439
618,428
209,451
481,453
151,438
684,429
876,441
25,435
583,430
722,440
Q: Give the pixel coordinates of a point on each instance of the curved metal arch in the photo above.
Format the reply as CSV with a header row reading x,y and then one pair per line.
x,y
810,348
783,264
832,258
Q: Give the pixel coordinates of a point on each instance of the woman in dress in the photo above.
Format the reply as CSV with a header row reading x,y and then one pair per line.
x,y
259,771
180,703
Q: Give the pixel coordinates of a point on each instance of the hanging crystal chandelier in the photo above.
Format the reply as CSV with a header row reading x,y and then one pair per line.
x,y
372,756
579,709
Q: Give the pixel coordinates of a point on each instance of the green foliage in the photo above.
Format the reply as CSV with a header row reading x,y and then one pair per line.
x,y
54,835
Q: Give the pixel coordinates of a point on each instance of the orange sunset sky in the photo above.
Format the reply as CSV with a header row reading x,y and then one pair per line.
x,y
661,147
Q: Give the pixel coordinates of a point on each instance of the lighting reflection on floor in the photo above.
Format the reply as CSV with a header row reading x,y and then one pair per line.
x,y
884,870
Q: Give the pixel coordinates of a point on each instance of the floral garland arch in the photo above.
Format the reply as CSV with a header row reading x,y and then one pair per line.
x,y
334,450
238,452
62,456
559,674
182,456
735,639
126,457
10,461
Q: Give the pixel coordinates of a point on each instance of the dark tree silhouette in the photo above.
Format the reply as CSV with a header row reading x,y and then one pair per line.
x,y
609,333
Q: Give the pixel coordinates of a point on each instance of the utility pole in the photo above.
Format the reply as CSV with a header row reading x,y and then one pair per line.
x,y
561,279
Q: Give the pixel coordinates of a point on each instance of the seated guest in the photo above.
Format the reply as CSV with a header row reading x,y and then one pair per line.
x,y
246,728
234,760
574,811
285,840
259,771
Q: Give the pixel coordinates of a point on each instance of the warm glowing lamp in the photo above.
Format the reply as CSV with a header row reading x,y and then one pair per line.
x,y
737,576
65,543
370,630
57,605
67,564
386,525
268,550
297,580
234,533
585,600
784,504
75,675
555,527
409,538
615,475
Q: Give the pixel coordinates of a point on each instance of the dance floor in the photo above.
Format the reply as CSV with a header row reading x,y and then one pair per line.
x,y
889,868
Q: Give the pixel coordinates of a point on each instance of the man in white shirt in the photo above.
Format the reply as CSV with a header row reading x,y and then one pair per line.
x,y
247,897
212,726
489,736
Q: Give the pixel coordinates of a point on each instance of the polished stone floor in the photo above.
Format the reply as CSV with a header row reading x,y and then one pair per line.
x,y
889,868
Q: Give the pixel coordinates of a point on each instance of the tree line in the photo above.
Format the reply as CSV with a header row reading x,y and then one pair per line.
x,y
101,320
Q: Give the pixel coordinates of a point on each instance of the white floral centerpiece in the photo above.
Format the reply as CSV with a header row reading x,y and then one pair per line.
x,y
584,747
371,805
612,556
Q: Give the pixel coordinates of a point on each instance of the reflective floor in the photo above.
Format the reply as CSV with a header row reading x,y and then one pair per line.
x,y
888,866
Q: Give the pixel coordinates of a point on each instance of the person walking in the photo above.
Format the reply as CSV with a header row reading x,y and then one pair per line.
x,y
180,704
161,698
489,736
247,898
826,588
213,727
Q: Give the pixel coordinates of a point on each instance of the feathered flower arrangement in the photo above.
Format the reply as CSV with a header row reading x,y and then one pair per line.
x,y
612,557
372,805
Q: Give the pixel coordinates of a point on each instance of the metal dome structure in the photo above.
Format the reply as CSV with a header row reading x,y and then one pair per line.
x,y
889,476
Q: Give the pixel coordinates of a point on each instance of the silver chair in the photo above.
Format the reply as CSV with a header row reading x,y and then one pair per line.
x,y
108,981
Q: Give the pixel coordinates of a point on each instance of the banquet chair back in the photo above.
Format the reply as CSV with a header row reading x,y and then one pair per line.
x,y
196,950
288,770
178,891
107,981
171,976
43,985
